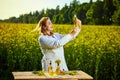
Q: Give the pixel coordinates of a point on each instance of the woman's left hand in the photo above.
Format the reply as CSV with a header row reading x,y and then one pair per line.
x,y
74,31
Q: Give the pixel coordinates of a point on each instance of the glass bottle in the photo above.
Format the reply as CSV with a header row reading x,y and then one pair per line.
x,y
58,71
75,22
50,68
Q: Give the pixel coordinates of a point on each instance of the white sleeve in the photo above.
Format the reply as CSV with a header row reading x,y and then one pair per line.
x,y
54,43
60,35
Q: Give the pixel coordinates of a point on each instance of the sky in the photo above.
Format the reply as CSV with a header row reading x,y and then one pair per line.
x,y
10,8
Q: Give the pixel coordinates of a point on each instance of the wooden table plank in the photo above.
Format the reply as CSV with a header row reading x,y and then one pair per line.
x,y
30,76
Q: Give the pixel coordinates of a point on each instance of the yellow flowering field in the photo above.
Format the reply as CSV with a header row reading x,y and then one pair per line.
x,y
96,50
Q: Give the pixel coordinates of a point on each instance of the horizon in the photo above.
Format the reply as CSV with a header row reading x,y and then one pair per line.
x,y
15,8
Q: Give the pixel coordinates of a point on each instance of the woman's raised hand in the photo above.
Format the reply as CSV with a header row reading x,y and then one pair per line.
x,y
78,22
77,26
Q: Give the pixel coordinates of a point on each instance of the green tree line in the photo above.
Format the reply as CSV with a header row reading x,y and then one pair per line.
x,y
101,12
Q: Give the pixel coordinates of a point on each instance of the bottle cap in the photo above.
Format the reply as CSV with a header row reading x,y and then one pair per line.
x,y
50,62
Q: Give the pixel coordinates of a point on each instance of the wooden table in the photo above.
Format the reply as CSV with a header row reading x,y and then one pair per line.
x,y
29,75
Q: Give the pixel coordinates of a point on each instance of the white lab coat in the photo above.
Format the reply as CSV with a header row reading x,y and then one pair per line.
x,y
52,49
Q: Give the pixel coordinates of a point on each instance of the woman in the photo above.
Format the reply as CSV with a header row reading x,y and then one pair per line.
x,y
51,44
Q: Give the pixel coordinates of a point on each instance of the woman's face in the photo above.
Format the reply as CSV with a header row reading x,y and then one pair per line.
x,y
49,25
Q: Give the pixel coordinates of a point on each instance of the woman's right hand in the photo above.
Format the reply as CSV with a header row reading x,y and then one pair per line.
x,y
78,22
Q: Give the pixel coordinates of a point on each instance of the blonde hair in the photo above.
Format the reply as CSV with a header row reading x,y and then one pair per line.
x,y
41,26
